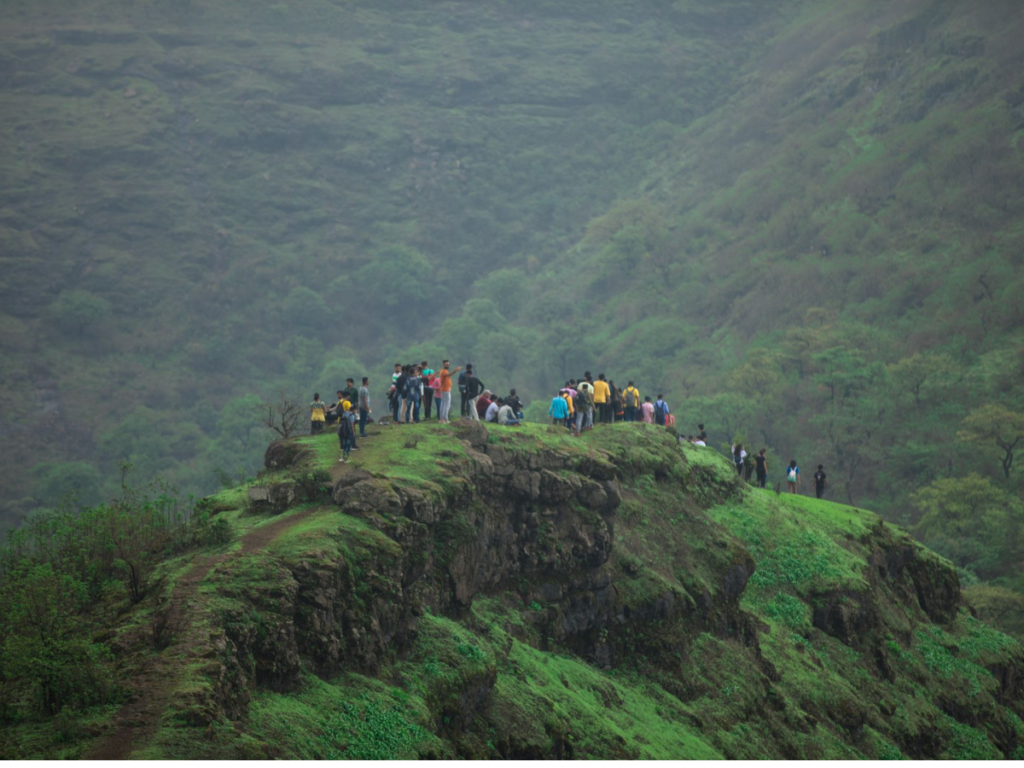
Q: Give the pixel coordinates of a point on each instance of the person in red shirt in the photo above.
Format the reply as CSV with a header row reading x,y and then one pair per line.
x,y
483,403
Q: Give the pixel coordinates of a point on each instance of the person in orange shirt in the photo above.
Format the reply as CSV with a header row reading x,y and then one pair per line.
x,y
602,399
446,392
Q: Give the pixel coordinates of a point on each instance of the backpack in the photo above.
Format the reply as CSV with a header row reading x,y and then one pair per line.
x,y
582,402
345,428
659,409
791,476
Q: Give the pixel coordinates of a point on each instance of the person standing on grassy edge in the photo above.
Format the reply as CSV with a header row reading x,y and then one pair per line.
x,y
647,411
428,393
559,410
761,465
474,388
335,411
317,415
463,391
820,481
615,402
738,457
346,435
446,391
792,477
660,411
602,399
631,402
364,406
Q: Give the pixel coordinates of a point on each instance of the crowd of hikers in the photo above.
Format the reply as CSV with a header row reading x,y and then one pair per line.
x,y
418,391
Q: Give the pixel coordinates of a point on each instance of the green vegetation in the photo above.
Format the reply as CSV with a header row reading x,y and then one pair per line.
x,y
802,225
720,640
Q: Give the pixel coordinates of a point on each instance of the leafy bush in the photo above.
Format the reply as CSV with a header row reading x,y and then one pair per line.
x,y
44,640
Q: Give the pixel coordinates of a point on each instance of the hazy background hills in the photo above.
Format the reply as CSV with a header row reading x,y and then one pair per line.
x,y
802,222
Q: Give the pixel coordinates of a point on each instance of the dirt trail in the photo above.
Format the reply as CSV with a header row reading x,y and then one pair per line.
x,y
154,685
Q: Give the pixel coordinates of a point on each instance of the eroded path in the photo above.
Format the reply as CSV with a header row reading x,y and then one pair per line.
x,y
154,685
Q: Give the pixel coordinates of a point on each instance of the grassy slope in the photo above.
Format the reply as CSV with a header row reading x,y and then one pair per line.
x,y
548,698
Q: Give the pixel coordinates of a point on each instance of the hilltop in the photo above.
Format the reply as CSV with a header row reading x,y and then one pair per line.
x,y
480,592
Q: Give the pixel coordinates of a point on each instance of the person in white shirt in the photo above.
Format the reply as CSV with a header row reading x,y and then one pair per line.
x,y
492,411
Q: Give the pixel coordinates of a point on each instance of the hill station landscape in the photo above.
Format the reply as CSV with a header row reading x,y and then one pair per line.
x,y
801,222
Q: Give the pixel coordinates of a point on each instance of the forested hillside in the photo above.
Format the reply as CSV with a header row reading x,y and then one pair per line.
x,y
803,222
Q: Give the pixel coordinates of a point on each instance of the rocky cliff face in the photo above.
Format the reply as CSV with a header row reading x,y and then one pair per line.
x,y
545,535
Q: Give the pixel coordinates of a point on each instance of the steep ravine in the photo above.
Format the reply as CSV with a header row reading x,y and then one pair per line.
x,y
642,564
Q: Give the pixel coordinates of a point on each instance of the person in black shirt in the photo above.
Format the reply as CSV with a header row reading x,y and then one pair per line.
x,y
761,466
820,481
474,388
513,402
703,434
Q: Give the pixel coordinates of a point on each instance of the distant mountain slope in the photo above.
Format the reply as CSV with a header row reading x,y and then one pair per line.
x,y
799,221
201,201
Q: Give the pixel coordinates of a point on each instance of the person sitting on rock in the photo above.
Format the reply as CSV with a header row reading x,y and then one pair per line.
x,y
513,402
507,415
491,414
481,404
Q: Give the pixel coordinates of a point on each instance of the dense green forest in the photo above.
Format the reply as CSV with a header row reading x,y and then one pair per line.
x,y
802,222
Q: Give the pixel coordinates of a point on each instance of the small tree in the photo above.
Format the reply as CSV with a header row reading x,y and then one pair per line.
x,y
137,529
995,424
283,416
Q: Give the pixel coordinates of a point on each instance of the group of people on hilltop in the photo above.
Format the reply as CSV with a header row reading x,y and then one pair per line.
x,y
351,408
759,467
417,389
581,403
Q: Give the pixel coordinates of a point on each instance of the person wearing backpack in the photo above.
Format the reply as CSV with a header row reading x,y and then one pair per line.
x,y
738,457
761,466
413,395
346,434
792,476
616,402
820,481
660,411
582,406
631,402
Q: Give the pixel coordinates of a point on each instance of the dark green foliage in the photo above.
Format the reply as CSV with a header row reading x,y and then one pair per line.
x,y
313,486
44,641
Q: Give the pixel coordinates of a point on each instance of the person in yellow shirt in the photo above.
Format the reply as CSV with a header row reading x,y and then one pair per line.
x,y
602,399
317,415
568,404
631,401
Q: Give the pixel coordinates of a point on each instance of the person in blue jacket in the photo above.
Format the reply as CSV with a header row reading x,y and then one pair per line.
x,y
559,410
